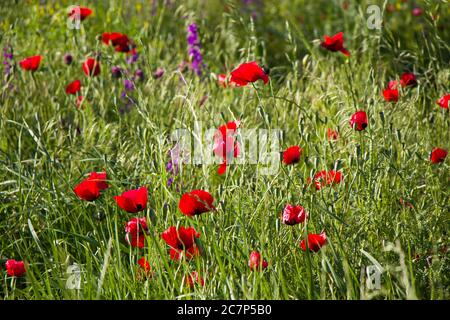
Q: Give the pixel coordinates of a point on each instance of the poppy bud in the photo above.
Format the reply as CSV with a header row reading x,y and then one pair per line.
x,y
116,72
158,73
68,59
255,262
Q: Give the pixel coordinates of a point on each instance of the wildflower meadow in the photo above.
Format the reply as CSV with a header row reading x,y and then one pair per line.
x,y
203,150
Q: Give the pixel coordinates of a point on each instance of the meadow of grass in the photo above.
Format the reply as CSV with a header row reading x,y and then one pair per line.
x,y
48,145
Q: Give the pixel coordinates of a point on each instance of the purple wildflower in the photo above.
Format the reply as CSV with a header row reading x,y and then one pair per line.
x,y
126,97
133,58
128,102
194,49
169,166
158,73
7,54
128,84
7,60
176,155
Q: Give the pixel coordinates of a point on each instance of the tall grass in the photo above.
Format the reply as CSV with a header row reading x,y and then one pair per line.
x,y
47,145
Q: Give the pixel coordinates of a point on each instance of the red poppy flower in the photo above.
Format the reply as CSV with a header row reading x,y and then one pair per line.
x,y
145,265
255,262
315,242
31,63
193,279
133,200
438,155
359,120
181,240
196,202
335,43
120,41
73,87
222,80
99,178
80,12
444,101
292,155
248,72
89,189
15,268
390,95
293,215
408,79
91,67
225,144
135,230
392,85
324,178
332,134
111,38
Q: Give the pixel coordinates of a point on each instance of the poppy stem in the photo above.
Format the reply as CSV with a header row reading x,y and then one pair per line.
x,y
75,39
308,265
34,81
295,104
348,73
261,107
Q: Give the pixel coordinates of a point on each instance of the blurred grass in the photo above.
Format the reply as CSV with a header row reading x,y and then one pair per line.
x,y
47,145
